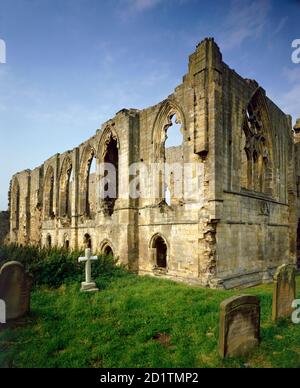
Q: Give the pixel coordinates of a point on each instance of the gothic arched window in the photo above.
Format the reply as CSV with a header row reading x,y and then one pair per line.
x,y
168,140
256,151
49,194
109,156
86,183
15,205
64,188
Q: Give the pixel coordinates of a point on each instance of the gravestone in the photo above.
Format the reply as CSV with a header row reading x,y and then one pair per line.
x,y
2,311
239,325
88,285
15,287
284,292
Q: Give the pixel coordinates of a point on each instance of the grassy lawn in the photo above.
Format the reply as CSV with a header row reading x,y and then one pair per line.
x,y
138,322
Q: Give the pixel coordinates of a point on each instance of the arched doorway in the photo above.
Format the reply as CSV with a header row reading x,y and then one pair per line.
x,y
160,251
106,248
87,241
48,242
66,242
108,251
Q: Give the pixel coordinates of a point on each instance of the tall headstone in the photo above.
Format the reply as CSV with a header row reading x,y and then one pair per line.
x,y
284,292
15,288
2,311
239,325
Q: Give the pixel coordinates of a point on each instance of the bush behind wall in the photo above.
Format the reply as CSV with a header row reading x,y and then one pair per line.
x,y
56,266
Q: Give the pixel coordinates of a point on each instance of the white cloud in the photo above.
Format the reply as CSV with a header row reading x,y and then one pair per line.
x,y
246,20
142,5
129,8
292,75
281,25
289,101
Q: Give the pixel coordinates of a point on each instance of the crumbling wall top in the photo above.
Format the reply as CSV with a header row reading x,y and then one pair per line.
x,y
297,126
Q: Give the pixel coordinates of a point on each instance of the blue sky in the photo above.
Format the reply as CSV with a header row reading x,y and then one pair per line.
x,y
72,64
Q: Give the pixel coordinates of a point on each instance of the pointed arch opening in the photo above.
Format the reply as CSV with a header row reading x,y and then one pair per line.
x,y
160,252
87,177
67,245
257,172
87,241
109,180
49,212
66,242
108,251
48,241
169,130
92,202
65,182
174,135
15,205
168,197
168,140
244,161
106,248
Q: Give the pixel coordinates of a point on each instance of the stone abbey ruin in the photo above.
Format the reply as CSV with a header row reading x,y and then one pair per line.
x,y
234,229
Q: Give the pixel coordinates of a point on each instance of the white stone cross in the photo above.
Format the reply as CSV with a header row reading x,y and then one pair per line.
x,y
88,285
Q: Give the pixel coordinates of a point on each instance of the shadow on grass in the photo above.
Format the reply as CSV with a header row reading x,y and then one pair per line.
x,y
28,320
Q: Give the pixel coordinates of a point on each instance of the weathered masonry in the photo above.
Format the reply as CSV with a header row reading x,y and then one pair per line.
x,y
4,225
239,226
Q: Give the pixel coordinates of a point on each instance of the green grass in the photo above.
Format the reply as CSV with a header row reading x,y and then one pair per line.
x,y
119,326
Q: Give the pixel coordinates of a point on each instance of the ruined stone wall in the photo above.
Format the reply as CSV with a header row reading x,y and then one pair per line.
x,y
117,231
297,189
21,233
36,205
256,230
217,232
4,226
178,223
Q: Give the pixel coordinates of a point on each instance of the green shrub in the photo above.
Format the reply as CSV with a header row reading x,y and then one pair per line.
x,y
56,266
